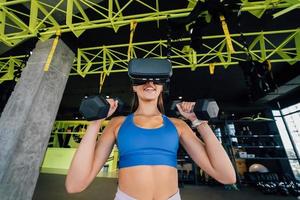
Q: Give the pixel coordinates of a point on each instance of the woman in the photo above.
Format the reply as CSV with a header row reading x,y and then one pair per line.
x,y
148,143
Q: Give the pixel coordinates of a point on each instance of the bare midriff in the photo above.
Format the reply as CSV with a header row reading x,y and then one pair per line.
x,y
153,182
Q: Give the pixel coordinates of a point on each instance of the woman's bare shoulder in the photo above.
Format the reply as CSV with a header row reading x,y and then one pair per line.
x,y
176,121
179,124
115,121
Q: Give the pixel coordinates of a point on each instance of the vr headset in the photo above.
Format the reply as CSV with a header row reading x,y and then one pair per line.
x,y
142,70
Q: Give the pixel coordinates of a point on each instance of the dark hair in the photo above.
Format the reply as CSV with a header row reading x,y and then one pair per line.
x,y
160,103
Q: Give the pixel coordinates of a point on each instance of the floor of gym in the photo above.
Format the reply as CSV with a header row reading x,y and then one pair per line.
x,y
50,187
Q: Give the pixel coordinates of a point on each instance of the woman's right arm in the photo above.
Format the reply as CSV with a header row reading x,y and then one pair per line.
x,y
91,155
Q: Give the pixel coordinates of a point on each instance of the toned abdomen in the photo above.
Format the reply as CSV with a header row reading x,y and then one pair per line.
x,y
149,182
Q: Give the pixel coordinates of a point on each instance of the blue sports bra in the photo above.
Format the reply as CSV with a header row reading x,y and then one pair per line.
x,y
142,146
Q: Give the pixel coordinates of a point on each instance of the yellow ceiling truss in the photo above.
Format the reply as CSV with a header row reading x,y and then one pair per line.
x,y
42,18
109,59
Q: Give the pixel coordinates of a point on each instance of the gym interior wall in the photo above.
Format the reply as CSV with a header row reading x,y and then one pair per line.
x,y
63,65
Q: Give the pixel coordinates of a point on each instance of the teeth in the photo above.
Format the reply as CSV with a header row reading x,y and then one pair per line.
x,y
149,88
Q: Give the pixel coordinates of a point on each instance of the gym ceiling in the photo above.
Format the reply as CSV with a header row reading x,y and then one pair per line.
x,y
104,34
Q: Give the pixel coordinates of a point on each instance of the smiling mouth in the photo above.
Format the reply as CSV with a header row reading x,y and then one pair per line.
x,y
149,89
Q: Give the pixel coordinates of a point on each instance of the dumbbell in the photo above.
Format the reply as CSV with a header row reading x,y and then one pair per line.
x,y
294,188
283,188
267,187
204,109
97,107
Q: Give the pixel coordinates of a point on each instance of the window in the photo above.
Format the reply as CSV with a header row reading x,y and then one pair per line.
x,y
291,115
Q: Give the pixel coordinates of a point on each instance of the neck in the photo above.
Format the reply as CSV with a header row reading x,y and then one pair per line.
x,y
148,108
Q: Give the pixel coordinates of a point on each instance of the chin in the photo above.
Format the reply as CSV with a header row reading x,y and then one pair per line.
x,y
149,98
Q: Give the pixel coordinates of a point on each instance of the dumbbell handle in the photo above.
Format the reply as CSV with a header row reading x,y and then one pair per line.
x,y
192,104
204,109
96,107
112,110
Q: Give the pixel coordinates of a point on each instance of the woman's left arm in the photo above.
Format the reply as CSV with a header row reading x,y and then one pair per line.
x,y
209,155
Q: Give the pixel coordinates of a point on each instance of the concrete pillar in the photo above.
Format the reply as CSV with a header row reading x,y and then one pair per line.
x,y
28,117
